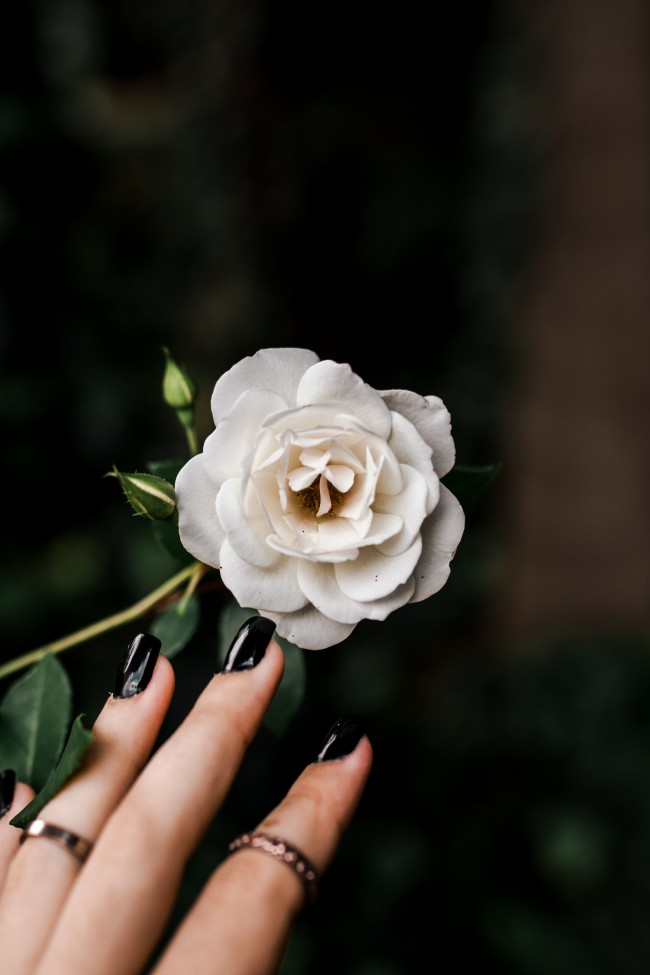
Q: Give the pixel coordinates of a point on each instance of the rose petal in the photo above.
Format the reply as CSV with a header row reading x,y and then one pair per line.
x,y
328,540
262,498
325,500
226,447
409,447
198,525
374,576
308,550
339,533
410,505
334,382
278,370
430,417
260,587
341,477
309,629
247,535
441,534
318,424
301,477
318,582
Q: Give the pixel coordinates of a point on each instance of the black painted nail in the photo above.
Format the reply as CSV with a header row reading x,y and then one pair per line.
x,y
134,673
342,738
249,645
7,789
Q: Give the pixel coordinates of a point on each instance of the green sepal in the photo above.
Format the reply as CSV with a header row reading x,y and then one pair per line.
x,y
150,496
34,718
291,690
467,483
176,626
79,741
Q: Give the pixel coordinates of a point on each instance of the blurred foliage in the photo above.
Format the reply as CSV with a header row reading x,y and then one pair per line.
x,y
522,845
213,178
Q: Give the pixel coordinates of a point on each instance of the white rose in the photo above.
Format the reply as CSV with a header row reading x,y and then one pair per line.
x,y
318,497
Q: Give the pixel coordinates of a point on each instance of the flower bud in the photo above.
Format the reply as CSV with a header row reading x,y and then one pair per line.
x,y
179,389
150,496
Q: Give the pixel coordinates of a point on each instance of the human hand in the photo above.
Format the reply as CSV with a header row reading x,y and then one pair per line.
x,y
144,815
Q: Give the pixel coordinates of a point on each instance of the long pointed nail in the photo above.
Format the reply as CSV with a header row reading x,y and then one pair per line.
x,y
136,668
342,738
7,789
249,644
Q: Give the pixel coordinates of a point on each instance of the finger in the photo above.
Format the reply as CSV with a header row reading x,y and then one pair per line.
x,y
42,872
135,871
14,796
244,915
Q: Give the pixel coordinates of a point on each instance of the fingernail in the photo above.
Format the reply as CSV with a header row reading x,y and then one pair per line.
x,y
134,673
342,738
7,789
249,645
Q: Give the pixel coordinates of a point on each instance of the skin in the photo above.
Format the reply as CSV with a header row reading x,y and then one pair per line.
x,y
55,912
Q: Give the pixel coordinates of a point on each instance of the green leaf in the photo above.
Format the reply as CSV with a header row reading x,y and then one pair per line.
x,y
167,469
78,743
34,718
468,483
166,534
177,625
291,691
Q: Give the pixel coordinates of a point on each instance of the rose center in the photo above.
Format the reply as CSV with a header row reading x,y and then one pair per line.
x,y
310,498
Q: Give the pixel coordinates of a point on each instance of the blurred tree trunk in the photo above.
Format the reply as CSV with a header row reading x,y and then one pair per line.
x,y
575,487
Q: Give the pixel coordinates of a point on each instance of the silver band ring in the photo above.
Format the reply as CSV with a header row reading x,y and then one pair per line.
x,y
74,844
285,853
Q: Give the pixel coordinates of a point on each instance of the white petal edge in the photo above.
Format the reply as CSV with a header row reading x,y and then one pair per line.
x,y
441,535
198,525
247,537
309,629
278,370
410,505
275,588
409,447
431,418
318,582
374,576
334,382
236,433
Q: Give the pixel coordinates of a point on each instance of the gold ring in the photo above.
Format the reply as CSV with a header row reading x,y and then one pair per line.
x,y
294,858
74,844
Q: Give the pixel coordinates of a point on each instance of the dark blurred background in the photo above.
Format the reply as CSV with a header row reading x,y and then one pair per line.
x,y
454,199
